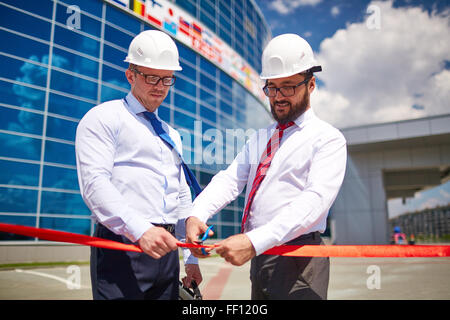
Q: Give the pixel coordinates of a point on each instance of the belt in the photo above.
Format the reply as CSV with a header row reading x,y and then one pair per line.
x,y
312,235
169,227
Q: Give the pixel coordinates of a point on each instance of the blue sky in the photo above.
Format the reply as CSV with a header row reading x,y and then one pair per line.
x,y
382,61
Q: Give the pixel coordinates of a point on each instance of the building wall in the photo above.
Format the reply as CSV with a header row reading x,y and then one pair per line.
x,y
359,214
52,73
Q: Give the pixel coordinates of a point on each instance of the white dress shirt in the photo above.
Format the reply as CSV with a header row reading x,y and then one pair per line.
x,y
129,178
301,184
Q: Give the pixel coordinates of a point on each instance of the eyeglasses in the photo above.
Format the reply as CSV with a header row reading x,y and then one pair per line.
x,y
287,91
154,80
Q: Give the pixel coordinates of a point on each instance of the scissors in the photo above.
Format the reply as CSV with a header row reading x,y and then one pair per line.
x,y
205,236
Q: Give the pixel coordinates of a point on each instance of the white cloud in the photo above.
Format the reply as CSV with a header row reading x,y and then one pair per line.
x,y
335,11
287,6
373,76
445,194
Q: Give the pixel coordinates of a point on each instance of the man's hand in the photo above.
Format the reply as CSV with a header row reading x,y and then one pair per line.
x,y
192,273
236,249
157,242
195,228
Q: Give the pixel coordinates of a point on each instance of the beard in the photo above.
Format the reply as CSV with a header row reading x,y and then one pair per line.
x,y
294,112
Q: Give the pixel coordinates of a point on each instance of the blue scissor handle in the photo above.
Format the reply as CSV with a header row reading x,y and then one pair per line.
x,y
205,236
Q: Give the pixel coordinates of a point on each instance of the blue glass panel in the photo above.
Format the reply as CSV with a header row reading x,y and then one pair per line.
x,y
67,106
186,53
28,24
225,35
42,7
122,20
225,79
115,77
185,86
183,120
117,37
228,215
73,85
224,7
226,108
187,71
60,178
63,203
94,7
65,15
109,93
208,98
114,56
208,82
73,40
20,121
61,129
80,226
207,67
19,220
22,96
184,103
208,7
18,173
75,63
18,200
19,147
59,153
207,20
241,118
26,72
205,178
164,113
228,231
28,48
224,22
188,6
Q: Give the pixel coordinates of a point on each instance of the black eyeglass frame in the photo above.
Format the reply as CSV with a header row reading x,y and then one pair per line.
x,y
266,89
146,76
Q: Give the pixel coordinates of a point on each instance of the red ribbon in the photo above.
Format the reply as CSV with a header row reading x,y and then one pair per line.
x,y
367,251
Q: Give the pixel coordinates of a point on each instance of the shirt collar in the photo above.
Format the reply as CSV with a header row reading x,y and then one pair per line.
x,y
134,105
304,117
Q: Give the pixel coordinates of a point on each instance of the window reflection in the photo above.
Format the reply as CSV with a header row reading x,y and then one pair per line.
x,y
18,200
20,121
60,178
63,203
18,173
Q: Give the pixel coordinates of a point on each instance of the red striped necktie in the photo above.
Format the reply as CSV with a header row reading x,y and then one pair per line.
x,y
263,166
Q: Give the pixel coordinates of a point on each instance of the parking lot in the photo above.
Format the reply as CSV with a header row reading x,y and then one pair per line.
x,y
350,279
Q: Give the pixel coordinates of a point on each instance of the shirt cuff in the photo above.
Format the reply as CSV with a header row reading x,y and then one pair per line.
x,y
262,239
135,227
188,257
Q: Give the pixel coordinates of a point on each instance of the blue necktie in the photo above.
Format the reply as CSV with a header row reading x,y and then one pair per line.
x,y
190,177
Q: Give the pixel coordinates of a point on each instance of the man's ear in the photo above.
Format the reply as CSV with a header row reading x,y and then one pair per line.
x,y
312,84
131,76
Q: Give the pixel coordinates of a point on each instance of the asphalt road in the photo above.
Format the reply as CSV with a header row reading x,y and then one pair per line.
x,y
350,279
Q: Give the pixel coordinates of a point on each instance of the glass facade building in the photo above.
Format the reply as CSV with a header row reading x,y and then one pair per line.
x,y
60,58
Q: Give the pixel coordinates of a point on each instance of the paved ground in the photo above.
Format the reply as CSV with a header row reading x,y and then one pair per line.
x,y
350,278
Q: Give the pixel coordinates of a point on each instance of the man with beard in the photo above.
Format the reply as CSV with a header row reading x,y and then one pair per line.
x,y
291,182
134,183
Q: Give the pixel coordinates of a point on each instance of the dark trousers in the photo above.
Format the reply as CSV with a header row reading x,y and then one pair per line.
x,y
119,274
291,278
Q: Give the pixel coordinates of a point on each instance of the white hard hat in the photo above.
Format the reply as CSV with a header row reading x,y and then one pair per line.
x,y
286,55
153,49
